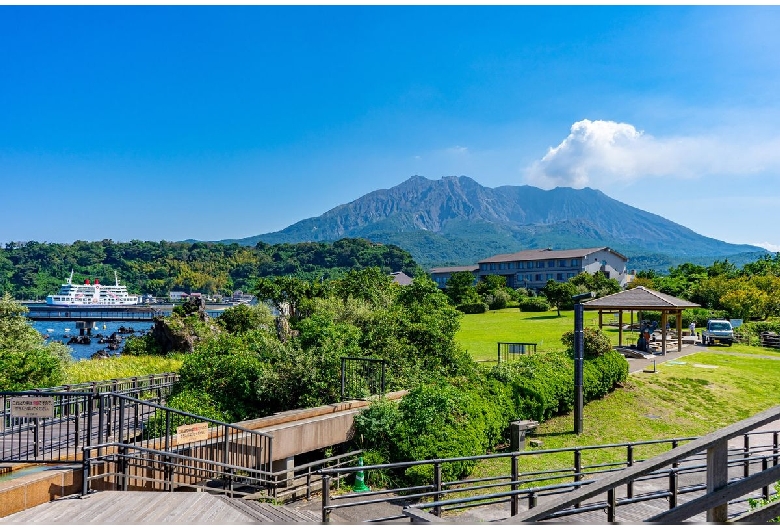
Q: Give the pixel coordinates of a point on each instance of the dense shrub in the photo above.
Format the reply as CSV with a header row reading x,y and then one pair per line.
x,y
540,383
596,343
435,421
26,361
602,374
473,308
497,300
536,304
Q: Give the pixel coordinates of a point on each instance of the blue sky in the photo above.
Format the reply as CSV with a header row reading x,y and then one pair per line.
x,y
153,123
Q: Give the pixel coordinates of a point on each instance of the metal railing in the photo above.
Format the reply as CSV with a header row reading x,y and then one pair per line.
x,y
81,416
151,448
129,467
362,377
155,387
682,477
720,489
508,351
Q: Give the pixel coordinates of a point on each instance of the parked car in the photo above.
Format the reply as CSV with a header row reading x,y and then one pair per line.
x,y
717,331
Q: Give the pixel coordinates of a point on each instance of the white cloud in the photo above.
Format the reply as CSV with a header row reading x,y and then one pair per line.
x,y
769,246
597,153
458,150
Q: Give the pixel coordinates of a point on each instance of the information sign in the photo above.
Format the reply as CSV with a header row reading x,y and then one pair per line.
x,y
195,432
32,407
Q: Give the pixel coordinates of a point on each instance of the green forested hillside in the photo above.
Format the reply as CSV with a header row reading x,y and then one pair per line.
x,y
32,270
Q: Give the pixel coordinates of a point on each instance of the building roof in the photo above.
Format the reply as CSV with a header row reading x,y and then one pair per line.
x,y
639,298
400,278
461,268
544,253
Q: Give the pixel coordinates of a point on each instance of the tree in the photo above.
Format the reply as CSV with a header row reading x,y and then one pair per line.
x,y
460,287
559,294
26,361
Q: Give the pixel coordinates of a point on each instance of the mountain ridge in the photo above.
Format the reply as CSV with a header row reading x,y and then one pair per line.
x,y
456,220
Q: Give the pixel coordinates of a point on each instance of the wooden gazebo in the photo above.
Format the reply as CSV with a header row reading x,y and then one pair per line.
x,y
642,299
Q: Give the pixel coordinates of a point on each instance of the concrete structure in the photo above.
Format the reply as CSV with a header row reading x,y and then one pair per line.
x,y
440,275
531,269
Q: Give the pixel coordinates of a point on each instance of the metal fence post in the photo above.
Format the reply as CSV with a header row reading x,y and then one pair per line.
x,y
343,376
765,489
672,489
326,498
85,458
775,447
514,505
77,424
629,463
611,505
36,439
746,456
437,485
577,470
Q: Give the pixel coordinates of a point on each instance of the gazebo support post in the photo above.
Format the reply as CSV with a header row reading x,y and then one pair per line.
x,y
679,330
664,320
620,327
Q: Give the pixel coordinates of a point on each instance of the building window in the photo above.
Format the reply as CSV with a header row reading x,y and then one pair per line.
x,y
559,276
549,276
575,263
570,275
529,277
551,263
539,264
501,266
561,262
538,277
529,265
483,267
492,266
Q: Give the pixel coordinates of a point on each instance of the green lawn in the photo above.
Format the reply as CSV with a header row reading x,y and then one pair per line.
x,y
479,334
710,390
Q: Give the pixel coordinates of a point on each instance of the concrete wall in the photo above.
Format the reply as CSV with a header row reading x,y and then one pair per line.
x,y
38,488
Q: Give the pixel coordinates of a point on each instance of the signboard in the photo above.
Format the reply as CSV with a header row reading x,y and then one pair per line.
x,y
195,432
736,322
32,407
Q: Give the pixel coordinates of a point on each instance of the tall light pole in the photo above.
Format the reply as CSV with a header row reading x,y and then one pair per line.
x,y
579,356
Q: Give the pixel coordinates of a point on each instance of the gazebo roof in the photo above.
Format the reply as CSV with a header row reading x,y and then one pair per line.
x,y
640,298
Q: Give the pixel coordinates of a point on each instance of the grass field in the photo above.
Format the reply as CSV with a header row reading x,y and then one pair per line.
x,y
690,396
118,367
479,334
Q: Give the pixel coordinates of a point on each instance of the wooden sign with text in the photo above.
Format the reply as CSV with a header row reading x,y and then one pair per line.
x,y
195,432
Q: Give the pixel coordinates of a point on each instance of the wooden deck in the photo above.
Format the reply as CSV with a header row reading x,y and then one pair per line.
x,y
142,507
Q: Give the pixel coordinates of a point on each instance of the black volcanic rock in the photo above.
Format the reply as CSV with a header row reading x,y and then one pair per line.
x,y
455,220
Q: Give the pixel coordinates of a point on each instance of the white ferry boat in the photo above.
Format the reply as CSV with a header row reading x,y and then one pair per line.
x,y
92,294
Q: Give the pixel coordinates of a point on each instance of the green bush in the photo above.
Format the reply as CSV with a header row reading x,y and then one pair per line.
x,y
473,308
596,343
536,304
435,421
602,374
497,300
541,384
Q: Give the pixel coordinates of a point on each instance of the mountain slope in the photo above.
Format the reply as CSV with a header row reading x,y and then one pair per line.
x,y
455,220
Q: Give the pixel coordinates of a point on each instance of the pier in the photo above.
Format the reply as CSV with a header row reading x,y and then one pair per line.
x,y
138,313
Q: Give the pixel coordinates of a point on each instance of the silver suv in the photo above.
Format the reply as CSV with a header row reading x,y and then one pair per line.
x,y
718,331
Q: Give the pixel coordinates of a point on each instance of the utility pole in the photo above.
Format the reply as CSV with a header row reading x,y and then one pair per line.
x,y
579,356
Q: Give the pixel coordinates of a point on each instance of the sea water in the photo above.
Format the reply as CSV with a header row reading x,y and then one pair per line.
x,y
57,331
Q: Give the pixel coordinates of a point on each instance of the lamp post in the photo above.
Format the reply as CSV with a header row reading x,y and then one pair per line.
x,y
579,355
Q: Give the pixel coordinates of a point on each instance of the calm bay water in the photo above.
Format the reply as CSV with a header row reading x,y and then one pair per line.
x,y
84,351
